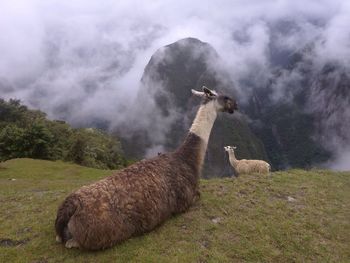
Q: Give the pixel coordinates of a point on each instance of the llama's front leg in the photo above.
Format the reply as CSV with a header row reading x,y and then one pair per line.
x,y
72,243
196,197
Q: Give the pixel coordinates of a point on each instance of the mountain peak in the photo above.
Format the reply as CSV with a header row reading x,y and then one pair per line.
x,y
189,41
166,88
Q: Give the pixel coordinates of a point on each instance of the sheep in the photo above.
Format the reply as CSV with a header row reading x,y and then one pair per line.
x,y
138,198
247,166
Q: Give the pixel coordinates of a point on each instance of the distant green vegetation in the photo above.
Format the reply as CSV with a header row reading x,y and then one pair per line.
x,y
291,216
28,133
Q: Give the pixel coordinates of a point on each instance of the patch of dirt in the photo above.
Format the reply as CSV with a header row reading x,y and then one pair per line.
x,y
232,238
278,195
7,242
242,192
42,260
205,243
291,199
221,190
216,220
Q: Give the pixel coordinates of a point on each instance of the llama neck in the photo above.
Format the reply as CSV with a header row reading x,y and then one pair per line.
x,y
204,121
195,145
232,158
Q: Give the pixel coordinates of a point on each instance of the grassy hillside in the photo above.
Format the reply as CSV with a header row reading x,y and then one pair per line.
x,y
292,216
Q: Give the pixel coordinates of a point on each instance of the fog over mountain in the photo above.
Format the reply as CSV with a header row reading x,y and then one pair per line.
x,y
82,61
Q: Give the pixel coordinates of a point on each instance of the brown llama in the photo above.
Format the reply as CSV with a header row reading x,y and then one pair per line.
x,y
138,198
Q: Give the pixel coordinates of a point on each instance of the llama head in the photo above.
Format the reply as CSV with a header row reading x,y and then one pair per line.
x,y
222,103
230,148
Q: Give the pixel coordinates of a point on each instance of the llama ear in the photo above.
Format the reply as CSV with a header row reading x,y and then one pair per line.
x,y
234,147
209,93
198,93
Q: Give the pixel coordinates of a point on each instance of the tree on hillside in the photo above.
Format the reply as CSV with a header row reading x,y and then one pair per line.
x,y
11,142
91,147
27,133
39,142
34,142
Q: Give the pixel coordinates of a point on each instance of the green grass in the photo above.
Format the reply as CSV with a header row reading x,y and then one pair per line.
x,y
248,219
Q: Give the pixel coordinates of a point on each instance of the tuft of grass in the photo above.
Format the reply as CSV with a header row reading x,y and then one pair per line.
x,y
291,216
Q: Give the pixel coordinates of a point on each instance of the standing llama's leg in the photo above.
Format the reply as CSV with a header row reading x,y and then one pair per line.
x,y
196,197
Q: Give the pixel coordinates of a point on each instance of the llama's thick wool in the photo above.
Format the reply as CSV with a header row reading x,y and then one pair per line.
x,y
132,201
251,166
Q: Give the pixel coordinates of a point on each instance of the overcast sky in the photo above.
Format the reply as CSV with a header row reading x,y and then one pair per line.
x,y
59,44
84,59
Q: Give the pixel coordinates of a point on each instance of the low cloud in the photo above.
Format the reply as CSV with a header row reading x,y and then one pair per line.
x,y
82,61
341,162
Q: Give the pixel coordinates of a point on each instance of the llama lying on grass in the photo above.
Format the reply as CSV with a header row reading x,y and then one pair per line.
x,y
246,166
138,198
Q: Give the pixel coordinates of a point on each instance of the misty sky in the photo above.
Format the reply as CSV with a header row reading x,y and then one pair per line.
x,y
79,60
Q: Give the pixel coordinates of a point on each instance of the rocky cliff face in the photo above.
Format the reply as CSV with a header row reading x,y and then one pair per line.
x,y
166,84
306,124
329,102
